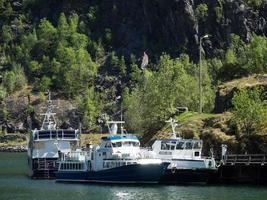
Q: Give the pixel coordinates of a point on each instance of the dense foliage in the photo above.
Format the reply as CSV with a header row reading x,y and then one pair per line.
x,y
72,54
250,115
250,112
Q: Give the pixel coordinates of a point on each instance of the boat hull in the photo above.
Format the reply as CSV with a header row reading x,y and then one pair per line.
x,y
136,173
177,176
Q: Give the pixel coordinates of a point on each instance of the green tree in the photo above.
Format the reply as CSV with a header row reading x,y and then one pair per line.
x,y
9,81
256,3
89,108
44,84
63,28
46,31
21,80
158,94
250,112
201,11
2,92
7,34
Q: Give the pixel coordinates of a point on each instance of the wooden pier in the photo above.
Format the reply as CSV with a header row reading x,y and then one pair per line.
x,y
243,168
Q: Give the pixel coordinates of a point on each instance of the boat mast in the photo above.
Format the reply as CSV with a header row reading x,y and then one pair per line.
x,y
49,121
173,124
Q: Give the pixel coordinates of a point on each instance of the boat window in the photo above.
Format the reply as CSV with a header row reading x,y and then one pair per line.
x,y
172,145
116,144
188,145
164,146
168,145
130,143
135,144
108,145
180,145
127,144
197,145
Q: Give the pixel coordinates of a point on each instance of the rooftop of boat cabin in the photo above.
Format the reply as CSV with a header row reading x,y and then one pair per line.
x,y
63,134
119,137
178,139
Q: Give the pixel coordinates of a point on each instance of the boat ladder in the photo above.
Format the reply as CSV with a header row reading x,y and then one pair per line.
x,y
44,165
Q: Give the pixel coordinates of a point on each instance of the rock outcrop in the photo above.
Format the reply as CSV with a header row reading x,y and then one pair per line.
x,y
24,108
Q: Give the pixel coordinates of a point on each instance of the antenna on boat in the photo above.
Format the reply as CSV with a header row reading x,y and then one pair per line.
x,y
173,124
121,121
49,121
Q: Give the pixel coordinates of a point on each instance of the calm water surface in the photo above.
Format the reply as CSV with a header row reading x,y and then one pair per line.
x,y
14,184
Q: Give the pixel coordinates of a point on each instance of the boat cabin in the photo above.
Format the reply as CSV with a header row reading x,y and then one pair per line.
x,y
178,148
117,147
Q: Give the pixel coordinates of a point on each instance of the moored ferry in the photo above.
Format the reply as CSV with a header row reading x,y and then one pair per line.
x,y
118,159
45,145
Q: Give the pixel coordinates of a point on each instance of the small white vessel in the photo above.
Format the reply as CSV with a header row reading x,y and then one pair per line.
x,y
45,144
185,156
118,159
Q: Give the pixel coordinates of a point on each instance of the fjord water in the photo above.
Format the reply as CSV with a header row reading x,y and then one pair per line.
x,y
14,184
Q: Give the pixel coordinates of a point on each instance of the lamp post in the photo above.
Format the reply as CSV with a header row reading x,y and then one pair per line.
x,y
200,75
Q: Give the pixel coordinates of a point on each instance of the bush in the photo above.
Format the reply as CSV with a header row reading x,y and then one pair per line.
x,y
250,112
201,11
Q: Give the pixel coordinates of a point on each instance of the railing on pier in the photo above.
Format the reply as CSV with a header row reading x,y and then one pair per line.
x,y
59,134
245,159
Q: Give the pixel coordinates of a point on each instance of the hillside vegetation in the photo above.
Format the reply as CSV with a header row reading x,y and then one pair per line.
x,y
89,54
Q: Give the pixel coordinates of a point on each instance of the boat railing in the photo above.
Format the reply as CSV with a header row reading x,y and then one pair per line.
x,y
73,156
245,159
44,164
59,134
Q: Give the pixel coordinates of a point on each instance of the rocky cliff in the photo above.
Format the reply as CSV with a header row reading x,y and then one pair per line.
x,y
156,26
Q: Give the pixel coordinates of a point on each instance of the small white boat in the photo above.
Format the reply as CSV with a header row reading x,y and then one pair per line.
x,y
185,156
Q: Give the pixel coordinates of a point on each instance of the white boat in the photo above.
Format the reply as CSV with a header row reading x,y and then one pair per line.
x,y
185,156
45,144
118,159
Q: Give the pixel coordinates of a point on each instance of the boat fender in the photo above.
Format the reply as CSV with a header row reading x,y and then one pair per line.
x,y
173,169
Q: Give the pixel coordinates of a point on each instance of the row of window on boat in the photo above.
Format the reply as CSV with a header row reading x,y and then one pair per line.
x,y
80,166
122,144
180,145
112,164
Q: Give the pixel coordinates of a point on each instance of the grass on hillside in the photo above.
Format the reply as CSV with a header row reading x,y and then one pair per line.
x,y
193,116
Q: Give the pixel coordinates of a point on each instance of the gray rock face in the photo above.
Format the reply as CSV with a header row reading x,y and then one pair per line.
x,y
171,26
24,113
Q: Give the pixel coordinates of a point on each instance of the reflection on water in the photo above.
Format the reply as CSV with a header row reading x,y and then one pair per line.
x,y
14,184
